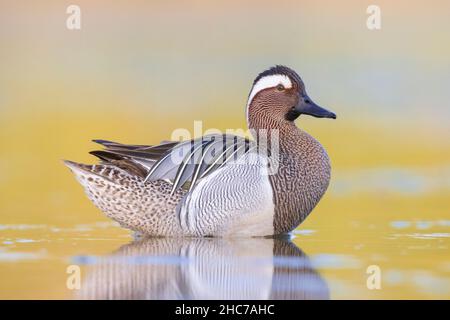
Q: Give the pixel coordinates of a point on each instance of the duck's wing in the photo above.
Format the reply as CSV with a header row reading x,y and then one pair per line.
x,y
182,163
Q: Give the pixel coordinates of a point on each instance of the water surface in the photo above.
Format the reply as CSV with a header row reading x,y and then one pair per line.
x,y
412,256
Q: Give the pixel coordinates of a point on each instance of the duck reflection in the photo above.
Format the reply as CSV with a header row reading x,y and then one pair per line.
x,y
208,268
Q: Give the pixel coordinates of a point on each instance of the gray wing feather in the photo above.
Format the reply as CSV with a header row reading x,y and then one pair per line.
x,y
182,163
186,170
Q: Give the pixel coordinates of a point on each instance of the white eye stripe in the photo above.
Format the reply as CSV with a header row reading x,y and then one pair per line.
x,y
269,82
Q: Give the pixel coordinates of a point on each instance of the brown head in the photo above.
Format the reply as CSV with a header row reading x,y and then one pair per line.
x,y
301,168
278,97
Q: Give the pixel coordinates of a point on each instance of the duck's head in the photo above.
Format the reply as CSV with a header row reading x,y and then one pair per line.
x,y
278,95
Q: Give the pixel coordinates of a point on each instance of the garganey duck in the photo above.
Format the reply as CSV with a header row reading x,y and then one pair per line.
x,y
219,185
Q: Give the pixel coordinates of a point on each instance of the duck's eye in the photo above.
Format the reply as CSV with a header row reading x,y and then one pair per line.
x,y
280,87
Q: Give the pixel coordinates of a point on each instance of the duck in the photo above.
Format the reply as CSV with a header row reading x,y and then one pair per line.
x,y
219,185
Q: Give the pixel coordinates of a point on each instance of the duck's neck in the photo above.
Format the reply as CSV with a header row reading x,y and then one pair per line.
x,y
301,175
273,132
285,136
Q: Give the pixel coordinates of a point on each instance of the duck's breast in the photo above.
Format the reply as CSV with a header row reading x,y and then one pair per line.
x,y
302,178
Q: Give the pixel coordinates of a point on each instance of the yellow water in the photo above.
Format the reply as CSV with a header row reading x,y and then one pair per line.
x,y
388,208
135,73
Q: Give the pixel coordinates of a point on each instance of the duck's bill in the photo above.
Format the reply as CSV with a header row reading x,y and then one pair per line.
x,y
307,106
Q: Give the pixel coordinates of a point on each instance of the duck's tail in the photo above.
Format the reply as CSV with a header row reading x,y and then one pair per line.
x,y
147,207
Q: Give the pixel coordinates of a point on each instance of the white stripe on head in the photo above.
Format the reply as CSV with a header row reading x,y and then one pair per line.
x,y
269,82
